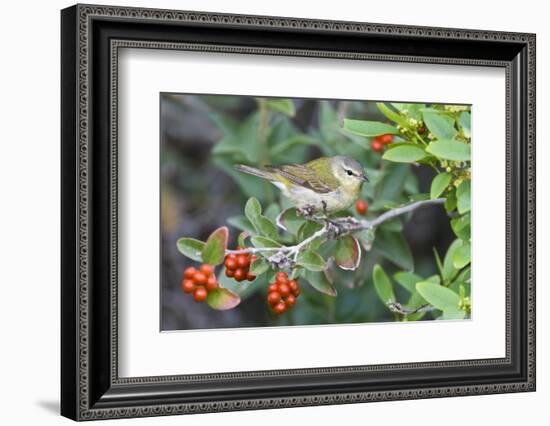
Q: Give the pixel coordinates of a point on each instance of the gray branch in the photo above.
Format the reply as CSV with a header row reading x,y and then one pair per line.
x,y
336,228
400,309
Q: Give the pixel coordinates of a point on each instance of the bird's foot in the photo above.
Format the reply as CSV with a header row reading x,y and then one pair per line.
x,y
333,229
307,211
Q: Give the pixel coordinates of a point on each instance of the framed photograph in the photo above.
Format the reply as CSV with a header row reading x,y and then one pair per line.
x,y
263,212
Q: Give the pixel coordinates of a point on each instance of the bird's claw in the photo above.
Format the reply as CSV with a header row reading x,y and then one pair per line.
x,y
333,230
307,211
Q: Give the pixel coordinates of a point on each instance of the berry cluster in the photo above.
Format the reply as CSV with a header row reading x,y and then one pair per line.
x,y
379,142
282,294
237,266
361,207
199,281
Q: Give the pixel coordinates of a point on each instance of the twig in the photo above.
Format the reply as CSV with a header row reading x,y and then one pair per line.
x,y
289,250
344,225
400,309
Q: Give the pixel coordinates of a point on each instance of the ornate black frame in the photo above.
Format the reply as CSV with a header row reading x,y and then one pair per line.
x,y
91,37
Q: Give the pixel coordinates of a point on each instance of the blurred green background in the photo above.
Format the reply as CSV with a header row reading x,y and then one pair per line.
x,y
203,136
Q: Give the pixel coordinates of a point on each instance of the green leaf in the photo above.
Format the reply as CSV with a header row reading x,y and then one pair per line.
x,y
248,184
465,120
394,247
438,261
289,221
448,149
410,110
311,261
439,184
224,123
243,144
464,276
369,128
366,238
191,248
252,210
438,296
461,227
264,242
405,153
241,240
411,184
259,266
394,116
449,270
272,212
286,106
407,280
320,282
419,197
463,197
390,188
222,299
213,251
265,227
442,126
461,256
262,225
453,314
392,225
450,201
308,229
282,147
241,222
382,285
348,253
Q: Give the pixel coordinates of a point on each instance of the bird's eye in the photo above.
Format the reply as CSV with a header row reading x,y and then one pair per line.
x,y
349,172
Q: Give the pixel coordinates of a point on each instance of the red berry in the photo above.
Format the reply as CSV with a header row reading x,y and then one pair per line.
x,y
385,139
189,272
199,278
284,289
232,255
290,300
296,292
211,283
187,286
229,273
242,261
230,262
272,288
279,308
250,276
361,207
200,294
376,146
207,269
273,298
239,275
252,258
293,284
421,130
281,278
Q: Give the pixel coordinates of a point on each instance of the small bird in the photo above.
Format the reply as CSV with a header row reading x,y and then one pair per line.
x,y
326,184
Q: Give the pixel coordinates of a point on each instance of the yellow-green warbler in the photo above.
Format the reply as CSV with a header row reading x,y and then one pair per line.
x,y
326,184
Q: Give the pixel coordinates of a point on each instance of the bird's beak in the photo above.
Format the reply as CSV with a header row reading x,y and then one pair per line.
x,y
364,177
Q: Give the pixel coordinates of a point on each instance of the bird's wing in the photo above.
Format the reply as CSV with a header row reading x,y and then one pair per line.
x,y
301,175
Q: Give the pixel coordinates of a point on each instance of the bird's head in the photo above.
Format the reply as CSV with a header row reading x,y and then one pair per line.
x,y
348,171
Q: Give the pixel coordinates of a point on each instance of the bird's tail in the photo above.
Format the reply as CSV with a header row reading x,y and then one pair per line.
x,y
255,172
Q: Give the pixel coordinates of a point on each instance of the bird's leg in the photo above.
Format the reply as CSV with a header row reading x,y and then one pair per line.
x,y
324,203
333,230
306,211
